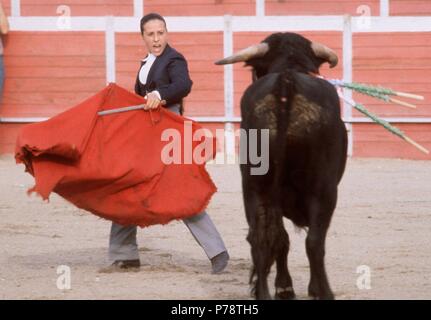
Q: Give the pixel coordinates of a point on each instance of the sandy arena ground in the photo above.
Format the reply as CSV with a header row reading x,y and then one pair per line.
x,y
383,221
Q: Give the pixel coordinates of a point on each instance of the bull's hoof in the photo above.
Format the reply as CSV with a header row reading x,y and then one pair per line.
x,y
284,293
324,296
262,296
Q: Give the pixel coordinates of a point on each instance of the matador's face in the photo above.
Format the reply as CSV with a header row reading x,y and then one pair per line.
x,y
155,36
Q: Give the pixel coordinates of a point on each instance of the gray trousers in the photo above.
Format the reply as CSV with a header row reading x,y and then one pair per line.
x,y
123,244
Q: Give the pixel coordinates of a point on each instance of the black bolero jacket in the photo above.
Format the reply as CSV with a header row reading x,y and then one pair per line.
x,y
168,75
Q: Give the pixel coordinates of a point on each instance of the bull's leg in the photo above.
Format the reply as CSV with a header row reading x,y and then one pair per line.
x,y
283,281
320,213
258,236
261,265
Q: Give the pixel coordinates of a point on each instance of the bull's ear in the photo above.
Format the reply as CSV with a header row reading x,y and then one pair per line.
x,y
254,51
325,53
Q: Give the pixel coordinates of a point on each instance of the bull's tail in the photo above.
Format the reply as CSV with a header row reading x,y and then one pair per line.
x,y
285,91
286,87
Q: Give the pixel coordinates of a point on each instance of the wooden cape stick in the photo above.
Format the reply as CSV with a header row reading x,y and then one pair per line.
x,y
125,109
119,110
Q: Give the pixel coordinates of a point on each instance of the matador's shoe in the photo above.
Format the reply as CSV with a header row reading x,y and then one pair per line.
x,y
219,262
122,266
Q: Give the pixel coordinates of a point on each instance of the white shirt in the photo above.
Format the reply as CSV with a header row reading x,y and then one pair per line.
x,y
145,69
143,73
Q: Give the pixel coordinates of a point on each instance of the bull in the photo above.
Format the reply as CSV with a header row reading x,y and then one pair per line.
x,y
307,157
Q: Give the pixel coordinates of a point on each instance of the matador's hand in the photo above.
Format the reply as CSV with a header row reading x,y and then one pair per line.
x,y
153,101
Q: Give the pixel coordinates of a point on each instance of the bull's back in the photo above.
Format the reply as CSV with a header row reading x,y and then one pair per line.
x,y
302,114
304,106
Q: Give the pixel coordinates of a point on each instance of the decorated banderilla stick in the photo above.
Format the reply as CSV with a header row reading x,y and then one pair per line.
x,y
379,92
385,124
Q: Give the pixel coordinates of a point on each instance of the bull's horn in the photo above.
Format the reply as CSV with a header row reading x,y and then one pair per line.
x,y
255,51
324,52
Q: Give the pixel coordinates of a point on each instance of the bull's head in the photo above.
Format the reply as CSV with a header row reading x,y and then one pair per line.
x,y
282,51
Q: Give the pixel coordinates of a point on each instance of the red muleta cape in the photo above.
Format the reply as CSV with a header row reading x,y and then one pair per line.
x,y
111,165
